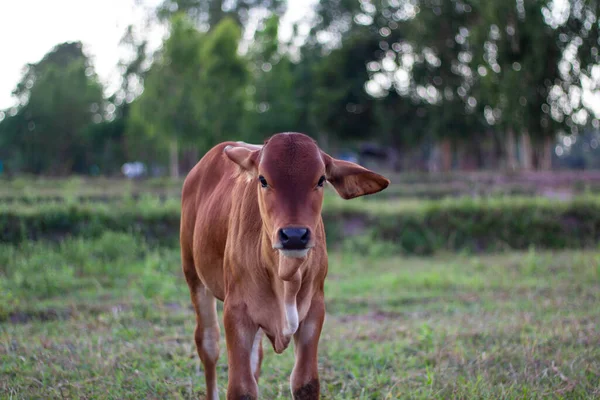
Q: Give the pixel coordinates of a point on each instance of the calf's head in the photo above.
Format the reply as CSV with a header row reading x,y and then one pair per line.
x,y
290,172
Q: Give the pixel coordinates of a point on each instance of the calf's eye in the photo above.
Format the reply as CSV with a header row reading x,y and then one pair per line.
x,y
321,181
263,181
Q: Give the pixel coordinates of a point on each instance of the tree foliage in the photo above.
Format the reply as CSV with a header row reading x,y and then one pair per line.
x,y
194,93
208,13
275,107
60,98
463,75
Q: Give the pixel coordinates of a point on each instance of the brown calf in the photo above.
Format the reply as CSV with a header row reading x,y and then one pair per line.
x,y
252,236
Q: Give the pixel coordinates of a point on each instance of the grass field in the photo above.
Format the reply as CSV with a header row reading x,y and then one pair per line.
x,y
109,318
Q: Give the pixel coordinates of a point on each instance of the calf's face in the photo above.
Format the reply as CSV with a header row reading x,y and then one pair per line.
x,y
290,172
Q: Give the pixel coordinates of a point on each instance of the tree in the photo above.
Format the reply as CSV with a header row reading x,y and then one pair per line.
x,y
194,93
207,14
224,80
108,141
471,68
425,71
168,110
388,75
341,107
528,99
275,106
59,99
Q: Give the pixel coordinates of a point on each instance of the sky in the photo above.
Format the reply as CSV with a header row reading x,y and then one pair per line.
x,y
36,26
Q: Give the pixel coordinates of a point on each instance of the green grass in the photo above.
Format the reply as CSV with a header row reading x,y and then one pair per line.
x,y
110,318
414,226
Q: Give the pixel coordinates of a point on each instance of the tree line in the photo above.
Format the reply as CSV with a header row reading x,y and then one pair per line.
x,y
465,83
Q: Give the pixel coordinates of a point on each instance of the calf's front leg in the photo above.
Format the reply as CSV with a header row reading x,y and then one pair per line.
x,y
305,376
240,334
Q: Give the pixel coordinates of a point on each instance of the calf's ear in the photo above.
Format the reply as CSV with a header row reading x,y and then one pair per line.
x,y
350,180
247,159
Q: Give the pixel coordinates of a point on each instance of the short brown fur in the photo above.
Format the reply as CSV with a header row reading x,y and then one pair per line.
x,y
231,251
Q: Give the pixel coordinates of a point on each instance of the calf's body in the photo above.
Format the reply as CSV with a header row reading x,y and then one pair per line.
x,y
252,236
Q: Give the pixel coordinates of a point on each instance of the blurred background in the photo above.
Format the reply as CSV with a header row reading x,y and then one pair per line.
x,y
475,274
431,86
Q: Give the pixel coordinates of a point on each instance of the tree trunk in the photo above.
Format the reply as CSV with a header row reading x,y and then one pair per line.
x,y
511,156
446,155
479,149
526,154
490,152
498,149
174,159
470,154
545,159
461,156
433,161
190,159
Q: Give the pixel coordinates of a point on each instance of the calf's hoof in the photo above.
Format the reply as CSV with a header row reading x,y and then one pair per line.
x,y
309,391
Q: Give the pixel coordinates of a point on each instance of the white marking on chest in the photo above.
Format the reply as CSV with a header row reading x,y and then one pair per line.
x,y
291,313
255,355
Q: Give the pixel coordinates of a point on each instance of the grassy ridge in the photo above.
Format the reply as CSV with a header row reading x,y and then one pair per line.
x,y
34,190
567,177
395,191
474,224
409,226
110,318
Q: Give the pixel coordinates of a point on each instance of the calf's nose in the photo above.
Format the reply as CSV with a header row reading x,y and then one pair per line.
x,y
294,238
